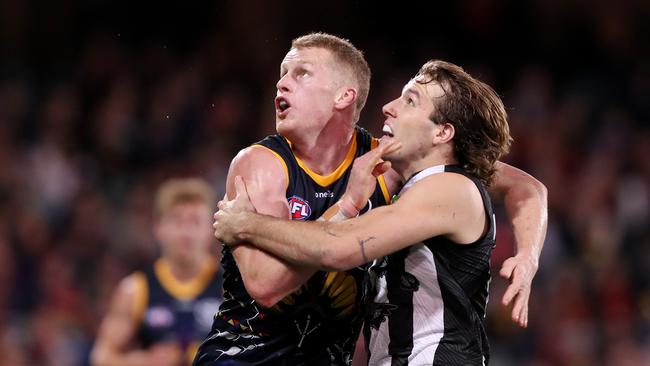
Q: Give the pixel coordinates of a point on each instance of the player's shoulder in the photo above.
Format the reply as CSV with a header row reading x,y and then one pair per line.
x,y
133,283
255,157
262,169
131,294
446,187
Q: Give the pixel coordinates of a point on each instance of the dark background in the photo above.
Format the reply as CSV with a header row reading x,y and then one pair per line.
x,y
102,100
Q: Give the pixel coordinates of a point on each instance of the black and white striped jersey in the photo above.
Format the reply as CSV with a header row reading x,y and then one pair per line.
x,y
431,297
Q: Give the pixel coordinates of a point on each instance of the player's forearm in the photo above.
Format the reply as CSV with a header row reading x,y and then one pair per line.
x,y
312,244
263,235
526,205
269,234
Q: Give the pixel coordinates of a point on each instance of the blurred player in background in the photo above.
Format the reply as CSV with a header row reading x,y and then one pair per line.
x,y
158,316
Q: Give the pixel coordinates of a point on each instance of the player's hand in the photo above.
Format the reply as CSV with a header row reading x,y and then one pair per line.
x,y
365,171
519,270
232,213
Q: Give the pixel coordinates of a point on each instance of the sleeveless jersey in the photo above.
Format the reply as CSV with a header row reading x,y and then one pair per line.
x,y
172,311
319,323
431,298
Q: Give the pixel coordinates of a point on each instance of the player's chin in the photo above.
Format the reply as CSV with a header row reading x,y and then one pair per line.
x,y
284,127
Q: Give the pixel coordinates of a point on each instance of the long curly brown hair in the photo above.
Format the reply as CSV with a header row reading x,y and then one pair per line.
x,y
477,113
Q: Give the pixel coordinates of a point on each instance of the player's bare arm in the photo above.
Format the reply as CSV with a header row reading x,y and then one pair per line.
x,y
429,209
267,278
114,347
525,200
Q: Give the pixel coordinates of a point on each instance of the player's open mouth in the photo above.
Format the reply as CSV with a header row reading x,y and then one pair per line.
x,y
387,131
281,105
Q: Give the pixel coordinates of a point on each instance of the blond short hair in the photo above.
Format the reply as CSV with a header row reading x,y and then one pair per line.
x,y
346,54
182,190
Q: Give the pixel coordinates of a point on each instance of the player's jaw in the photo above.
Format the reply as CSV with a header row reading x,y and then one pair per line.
x,y
388,134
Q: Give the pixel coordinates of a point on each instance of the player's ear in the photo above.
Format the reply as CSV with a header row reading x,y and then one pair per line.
x,y
443,133
345,97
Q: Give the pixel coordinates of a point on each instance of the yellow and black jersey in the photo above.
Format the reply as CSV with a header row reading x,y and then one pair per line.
x,y
173,311
319,323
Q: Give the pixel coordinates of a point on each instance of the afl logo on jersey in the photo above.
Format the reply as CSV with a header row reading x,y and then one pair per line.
x,y
299,208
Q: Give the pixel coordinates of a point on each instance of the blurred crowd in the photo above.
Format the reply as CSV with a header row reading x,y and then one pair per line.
x,y
93,118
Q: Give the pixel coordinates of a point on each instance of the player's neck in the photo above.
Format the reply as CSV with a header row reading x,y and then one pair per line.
x,y
186,271
408,168
325,151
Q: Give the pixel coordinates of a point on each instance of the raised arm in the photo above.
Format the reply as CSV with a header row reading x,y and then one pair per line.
x,y
114,347
525,200
267,278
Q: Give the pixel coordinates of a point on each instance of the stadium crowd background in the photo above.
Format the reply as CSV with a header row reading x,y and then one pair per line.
x,y
101,100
